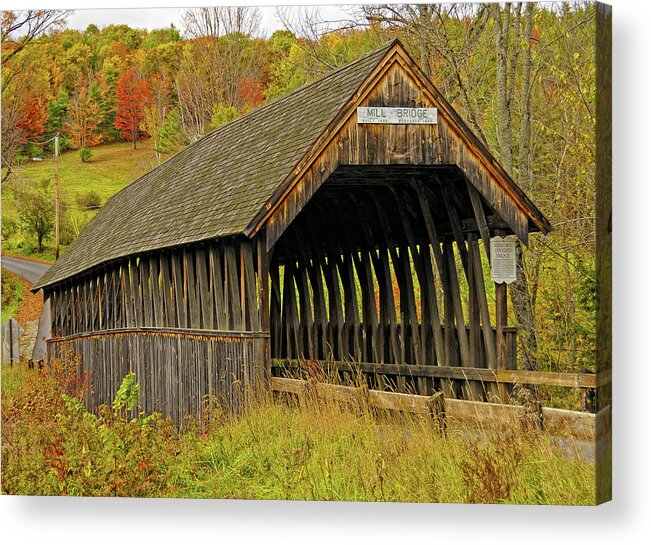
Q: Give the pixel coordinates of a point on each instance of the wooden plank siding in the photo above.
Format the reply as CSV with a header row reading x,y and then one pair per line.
x,y
143,313
178,370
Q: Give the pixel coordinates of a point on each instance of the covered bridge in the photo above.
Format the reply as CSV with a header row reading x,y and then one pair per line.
x,y
304,230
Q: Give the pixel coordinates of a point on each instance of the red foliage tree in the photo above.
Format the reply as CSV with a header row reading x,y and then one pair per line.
x,y
132,98
33,115
250,90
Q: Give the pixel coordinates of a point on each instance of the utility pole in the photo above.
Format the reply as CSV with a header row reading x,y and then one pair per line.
x,y
57,195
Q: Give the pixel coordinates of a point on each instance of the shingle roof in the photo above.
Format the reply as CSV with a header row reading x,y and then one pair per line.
x,y
216,186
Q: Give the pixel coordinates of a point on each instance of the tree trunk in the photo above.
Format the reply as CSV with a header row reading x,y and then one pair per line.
x,y
520,293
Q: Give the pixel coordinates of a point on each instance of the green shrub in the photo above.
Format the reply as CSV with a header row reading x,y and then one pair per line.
x,y
85,154
72,223
90,199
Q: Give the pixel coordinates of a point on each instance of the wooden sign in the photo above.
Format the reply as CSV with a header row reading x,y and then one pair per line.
x,y
503,262
397,116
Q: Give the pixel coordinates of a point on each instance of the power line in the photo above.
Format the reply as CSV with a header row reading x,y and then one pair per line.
x,y
27,141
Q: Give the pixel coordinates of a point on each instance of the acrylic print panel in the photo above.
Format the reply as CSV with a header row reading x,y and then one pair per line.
x,y
249,291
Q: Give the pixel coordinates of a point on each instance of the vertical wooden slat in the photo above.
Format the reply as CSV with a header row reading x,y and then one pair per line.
x,y
179,291
455,223
232,289
204,294
480,218
263,296
156,295
275,318
474,324
171,317
218,287
146,291
248,273
487,330
191,291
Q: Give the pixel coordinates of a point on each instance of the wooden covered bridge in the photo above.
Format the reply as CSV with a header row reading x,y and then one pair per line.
x,y
343,222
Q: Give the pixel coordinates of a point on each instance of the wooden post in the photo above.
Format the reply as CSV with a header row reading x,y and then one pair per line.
x,y
57,198
501,315
263,297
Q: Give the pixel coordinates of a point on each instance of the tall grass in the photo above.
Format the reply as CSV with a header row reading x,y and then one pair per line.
x,y
278,449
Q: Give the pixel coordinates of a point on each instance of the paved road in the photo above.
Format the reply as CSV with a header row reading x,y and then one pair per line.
x,y
29,270
32,272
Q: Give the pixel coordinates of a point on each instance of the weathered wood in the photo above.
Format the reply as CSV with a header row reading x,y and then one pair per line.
x,y
179,291
555,421
480,289
480,218
453,286
167,299
275,308
264,358
204,292
248,272
174,377
543,378
232,298
146,291
190,289
156,295
474,325
455,222
217,283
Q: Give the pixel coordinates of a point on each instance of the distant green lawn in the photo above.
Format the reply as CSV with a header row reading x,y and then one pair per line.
x,y
111,168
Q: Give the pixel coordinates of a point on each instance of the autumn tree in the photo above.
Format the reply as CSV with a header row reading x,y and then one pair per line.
x,y
31,123
222,55
133,95
18,31
84,114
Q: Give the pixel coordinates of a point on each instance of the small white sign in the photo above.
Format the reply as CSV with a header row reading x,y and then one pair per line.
x,y
503,264
397,116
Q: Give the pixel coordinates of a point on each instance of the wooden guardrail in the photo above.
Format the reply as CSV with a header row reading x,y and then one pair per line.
x,y
576,424
546,378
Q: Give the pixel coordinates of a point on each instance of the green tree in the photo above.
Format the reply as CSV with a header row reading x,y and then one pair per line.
x,y
37,212
222,114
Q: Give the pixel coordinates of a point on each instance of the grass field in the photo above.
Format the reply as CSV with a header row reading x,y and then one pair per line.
x,y
111,168
276,450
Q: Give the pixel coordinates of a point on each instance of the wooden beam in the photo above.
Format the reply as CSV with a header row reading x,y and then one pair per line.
x,y
453,281
480,218
489,341
554,421
541,378
454,222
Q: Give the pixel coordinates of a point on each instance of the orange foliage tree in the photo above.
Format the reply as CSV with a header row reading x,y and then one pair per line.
x,y
33,116
133,96
84,117
251,94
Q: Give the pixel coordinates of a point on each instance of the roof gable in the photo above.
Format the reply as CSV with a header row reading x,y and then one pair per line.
x,y
450,141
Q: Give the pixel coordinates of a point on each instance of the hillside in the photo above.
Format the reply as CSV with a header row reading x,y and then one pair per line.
x,y
111,167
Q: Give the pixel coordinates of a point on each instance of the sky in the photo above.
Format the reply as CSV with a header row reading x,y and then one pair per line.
x,y
152,14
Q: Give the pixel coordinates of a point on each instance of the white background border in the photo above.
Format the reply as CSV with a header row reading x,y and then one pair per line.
x,y
625,520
